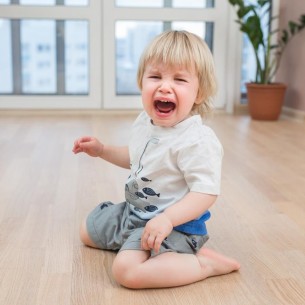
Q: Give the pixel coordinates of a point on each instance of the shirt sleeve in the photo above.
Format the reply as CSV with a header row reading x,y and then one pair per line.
x,y
200,162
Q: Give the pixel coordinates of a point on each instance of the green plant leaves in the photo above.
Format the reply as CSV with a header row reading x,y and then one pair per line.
x,y
285,36
263,2
250,22
252,27
244,11
293,27
237,2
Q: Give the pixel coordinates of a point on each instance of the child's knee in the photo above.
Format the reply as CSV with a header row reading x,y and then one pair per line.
x,y
123,273
126,271
84,236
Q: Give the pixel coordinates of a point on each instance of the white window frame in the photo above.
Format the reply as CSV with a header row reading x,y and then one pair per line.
x,y
91,13
101,16
218,15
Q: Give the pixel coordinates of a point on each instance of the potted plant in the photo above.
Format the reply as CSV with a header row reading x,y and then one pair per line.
x,y
267,55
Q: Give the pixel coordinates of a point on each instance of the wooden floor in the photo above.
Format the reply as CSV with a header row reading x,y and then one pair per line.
x,y
45,191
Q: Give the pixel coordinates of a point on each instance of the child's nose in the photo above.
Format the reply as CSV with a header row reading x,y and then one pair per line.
x,y
165,87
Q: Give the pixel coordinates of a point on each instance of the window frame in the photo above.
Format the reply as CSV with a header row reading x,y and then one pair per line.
x,y
218,15
101,17
91,13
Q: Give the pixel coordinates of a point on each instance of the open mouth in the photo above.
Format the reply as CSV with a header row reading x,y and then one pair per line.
x,y
164,106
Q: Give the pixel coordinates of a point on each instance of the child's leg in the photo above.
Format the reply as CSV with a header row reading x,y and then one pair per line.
x,y
84,236
134,269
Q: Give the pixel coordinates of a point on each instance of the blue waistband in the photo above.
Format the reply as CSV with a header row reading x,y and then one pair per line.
x,y
196,226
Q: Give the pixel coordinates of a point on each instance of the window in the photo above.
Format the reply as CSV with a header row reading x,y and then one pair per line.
x,y
53,60
248,68
86,55
131,24
6,73
131,39
76,57
48,2
38,56
45,54
166,3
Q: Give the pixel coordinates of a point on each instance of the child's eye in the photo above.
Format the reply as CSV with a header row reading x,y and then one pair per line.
x,y
154,76
180,79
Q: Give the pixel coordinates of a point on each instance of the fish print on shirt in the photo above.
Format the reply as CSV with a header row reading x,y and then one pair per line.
x,y
151,208
140,195
136,196
130,190
150,192
132,195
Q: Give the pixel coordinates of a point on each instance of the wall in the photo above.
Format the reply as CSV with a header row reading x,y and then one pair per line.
x,y
292,70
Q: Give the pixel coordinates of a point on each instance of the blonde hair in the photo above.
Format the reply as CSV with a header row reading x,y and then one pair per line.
x,y
184,49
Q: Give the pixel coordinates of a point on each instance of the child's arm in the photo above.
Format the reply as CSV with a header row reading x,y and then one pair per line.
x,y
118,155
188,208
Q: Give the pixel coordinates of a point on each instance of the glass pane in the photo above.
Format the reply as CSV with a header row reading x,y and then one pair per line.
x,y
38,40
5,1
248,67
37,2
193,3
6,73
166,3
76,57
77,2
139,3
202,29
131,39
54,2
195,27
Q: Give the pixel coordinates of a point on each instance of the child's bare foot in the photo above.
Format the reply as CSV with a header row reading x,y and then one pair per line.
x,y
213,263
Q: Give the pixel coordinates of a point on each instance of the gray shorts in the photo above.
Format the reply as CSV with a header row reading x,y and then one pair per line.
x,y
115,227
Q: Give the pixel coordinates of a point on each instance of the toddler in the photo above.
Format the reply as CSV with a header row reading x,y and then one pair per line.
x,y
175,172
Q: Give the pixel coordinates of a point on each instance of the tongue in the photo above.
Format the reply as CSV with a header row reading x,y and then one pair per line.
x,y
165,107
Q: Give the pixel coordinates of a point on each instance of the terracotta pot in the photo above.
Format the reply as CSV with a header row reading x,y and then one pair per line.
x,y
265,101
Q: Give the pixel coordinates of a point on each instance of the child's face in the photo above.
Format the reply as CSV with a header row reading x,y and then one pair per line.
x,y
168,93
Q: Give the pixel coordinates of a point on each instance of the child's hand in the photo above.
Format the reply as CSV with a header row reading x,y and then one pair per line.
x,y
88,145
155,231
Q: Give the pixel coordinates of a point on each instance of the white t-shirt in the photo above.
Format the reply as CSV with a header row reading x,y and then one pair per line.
x,y
169,162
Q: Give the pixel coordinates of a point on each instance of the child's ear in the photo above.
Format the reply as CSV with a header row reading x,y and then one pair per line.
x,y
198,100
